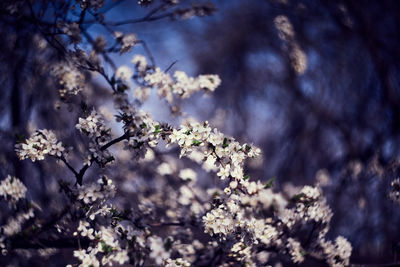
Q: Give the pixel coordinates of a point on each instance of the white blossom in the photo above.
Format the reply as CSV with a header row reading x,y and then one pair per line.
x,y
338,253
157,250
12,189
70,79
13,225
124,73
140,62
177,263
41,143
188,174
93,126
295,250
395,190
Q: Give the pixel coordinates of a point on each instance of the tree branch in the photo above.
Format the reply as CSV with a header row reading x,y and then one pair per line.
x,y
79,176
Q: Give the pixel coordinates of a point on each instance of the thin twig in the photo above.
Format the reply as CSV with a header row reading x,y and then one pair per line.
x,y
69,166
171,65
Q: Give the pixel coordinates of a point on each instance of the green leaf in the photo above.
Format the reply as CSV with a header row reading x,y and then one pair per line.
x,y
225,143
246,177
105,247
196,142
269,183
157,129
143,125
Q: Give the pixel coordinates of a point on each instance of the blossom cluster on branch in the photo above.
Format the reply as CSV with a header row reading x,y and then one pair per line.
x,y
41,143
12,189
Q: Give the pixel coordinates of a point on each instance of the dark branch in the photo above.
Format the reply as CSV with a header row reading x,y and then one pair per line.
x,y
79,176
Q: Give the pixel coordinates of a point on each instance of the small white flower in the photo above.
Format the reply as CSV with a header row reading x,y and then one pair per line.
x,y
124,73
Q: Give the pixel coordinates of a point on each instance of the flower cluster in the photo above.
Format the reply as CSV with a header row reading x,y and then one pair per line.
x,y
217,149
177,263
3,249
183,86
310,206
107,244
72,30
287,34
127,41
141,130
231,216
70,79
157,249
395,190
14,224
12,189
93,126
141,94
124,74
241,252
199,10
140,63
41,143
104,245
219,221
89,257
295,250
84,230
188,174
237,214
103,189
338,253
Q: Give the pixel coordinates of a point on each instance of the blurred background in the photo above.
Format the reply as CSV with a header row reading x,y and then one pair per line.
x,y
314,83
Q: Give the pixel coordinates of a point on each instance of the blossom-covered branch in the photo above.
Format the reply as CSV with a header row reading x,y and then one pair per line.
x,y
136,199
